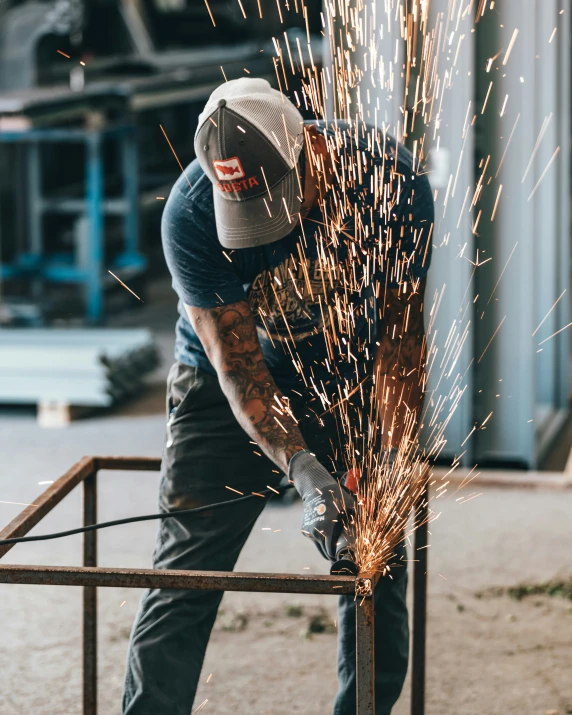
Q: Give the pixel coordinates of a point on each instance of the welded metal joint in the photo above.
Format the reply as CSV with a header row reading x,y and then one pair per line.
x,y
364,588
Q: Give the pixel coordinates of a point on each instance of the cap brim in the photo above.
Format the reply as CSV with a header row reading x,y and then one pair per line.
x,y
258,221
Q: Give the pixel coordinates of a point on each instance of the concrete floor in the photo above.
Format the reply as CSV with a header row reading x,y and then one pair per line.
x,y
485,655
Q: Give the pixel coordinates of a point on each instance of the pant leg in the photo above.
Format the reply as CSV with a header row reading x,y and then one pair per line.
x,y
325,437
205,450
391,635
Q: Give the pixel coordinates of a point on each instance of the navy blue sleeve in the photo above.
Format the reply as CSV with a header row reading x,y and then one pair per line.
x,y
202,276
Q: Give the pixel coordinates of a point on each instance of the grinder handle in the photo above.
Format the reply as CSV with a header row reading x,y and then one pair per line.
x,y
345,564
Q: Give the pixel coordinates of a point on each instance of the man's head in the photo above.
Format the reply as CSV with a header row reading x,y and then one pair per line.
x,y
248,142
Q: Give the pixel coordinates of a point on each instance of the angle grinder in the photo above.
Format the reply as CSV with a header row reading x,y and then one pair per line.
x,y
345,563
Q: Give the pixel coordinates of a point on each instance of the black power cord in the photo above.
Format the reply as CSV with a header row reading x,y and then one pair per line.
x,y
146,517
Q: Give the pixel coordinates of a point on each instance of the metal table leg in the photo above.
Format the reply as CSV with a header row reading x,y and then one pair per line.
x,y
35,216
365,650
129,161
420,607
90,599
94,200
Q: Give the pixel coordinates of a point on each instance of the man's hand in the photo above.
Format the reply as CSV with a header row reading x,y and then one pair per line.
x,y
327,505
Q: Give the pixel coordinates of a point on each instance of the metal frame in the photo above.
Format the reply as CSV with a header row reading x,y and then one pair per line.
x,y
90,576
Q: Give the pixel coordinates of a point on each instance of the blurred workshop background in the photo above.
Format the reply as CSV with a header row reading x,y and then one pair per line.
x,y
98,106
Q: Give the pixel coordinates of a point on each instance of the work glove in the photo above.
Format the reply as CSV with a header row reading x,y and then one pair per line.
x,y
328,507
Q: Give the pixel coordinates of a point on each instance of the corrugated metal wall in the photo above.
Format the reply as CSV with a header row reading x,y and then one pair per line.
x,y
498,140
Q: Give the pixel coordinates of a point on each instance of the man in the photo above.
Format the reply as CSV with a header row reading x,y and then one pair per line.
x,y
299,253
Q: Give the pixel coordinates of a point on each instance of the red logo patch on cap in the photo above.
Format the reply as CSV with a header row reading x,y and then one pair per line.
x,y
229,169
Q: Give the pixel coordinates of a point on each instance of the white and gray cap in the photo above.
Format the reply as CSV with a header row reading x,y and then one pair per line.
x,y
248,142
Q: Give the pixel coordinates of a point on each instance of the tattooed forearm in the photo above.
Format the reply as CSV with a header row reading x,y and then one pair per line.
x,y
400,364
228,335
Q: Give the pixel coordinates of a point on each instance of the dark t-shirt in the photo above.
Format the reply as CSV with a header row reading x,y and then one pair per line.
x,y
314,293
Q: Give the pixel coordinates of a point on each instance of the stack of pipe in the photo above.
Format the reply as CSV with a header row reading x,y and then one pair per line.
x,y
91,367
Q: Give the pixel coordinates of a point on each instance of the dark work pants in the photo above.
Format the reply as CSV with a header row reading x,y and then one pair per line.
x,y
205,450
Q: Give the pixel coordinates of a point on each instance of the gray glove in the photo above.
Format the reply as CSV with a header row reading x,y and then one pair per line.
x,y
327,505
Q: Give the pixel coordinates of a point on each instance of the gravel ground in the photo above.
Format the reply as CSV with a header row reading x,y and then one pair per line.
x,y
489,655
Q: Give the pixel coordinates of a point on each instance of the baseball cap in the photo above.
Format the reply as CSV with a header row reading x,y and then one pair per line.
x,y
248,142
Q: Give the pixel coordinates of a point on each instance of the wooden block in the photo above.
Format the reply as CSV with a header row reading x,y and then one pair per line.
x,y
53,414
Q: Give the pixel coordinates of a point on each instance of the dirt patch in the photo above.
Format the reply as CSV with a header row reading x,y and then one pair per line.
x,y
493,655
558,588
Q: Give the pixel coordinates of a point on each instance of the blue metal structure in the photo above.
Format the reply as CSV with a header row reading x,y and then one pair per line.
x,y
35,263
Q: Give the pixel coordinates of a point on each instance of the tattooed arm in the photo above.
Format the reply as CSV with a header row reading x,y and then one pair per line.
x,y
228,335
400,365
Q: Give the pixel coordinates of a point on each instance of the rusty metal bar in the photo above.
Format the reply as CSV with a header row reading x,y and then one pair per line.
x,y
420,605
90,599
192,580
31,515
136,464
365,650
